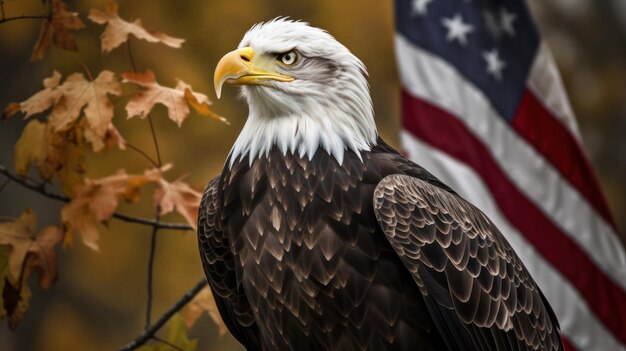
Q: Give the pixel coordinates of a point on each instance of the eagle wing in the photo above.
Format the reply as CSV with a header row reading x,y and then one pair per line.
x,y
478,293
219,268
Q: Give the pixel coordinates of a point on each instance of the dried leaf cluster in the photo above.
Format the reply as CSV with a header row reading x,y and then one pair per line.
x,y
71,117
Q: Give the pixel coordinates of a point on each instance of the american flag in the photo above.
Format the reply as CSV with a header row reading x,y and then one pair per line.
x,y
485,110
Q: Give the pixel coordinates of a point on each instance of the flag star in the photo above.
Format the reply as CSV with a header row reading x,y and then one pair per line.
x,y
494,64
492,24
419,7
506,21
457,29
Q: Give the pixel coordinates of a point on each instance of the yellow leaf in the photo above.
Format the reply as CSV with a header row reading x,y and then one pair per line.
x,y
117,30
58,30
203,302
176,335
31,148
173,98
202,107
65,155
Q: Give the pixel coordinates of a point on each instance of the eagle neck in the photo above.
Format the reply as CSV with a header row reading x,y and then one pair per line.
x,y
303,135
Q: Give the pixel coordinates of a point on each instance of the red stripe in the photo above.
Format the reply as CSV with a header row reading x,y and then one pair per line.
x,y
548,136
447,133
567,345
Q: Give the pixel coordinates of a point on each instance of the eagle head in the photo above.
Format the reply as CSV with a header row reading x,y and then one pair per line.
x,y
305,92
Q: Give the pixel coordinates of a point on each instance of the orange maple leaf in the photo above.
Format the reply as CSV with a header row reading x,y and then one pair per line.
x,y
58,30
31,252
178,196
41,100
202,107
117,29
173,98
96,200
90,97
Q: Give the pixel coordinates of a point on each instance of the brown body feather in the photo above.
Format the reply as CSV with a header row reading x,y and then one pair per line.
x,y
313,255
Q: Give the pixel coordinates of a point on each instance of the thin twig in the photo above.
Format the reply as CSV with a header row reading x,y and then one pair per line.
x,y
142,153
153,242
154,328
87,70
4,184
155,229
41,189
9,19
154,139
130,56
156,338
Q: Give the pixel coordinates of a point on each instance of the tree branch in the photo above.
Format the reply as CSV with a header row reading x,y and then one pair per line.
x,y
153,241
41,189
9,19
154,328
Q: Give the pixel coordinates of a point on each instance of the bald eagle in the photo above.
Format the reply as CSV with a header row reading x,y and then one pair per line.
x,y
319,236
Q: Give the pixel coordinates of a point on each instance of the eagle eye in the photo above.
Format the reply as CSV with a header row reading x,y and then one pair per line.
x,y
289,58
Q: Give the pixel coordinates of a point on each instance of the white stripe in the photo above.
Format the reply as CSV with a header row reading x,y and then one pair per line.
x,y
578,323
430,78
544,81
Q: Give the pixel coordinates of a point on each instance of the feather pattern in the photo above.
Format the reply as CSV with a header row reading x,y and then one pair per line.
x,y
295,253
474,284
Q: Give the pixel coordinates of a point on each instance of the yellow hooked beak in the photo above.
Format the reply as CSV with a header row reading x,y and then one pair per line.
x,y
240,67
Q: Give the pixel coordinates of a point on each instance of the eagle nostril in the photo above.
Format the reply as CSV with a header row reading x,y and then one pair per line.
x,y
245,58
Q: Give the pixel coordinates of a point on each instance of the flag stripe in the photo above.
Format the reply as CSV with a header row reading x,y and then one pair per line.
x,y
545,82
578,323
426,122
432,79
549,137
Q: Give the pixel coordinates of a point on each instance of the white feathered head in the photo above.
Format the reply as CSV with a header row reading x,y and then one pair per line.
x,y
305,91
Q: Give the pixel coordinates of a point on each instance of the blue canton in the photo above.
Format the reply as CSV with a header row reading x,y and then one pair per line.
x,y
491,43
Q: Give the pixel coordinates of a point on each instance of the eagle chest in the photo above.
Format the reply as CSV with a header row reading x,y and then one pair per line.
x,y
303,234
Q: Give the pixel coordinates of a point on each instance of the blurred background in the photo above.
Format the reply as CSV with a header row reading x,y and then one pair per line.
x,y
98,302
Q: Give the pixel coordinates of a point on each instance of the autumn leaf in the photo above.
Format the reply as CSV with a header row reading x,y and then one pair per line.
x,y
58,30
203,302
173,98
175,338
202,107
178,196
4,275
31,252
89,97
65,155
31,148
22,253
117,30
40,101
112,138
15,300
41,256
96,200
18,235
